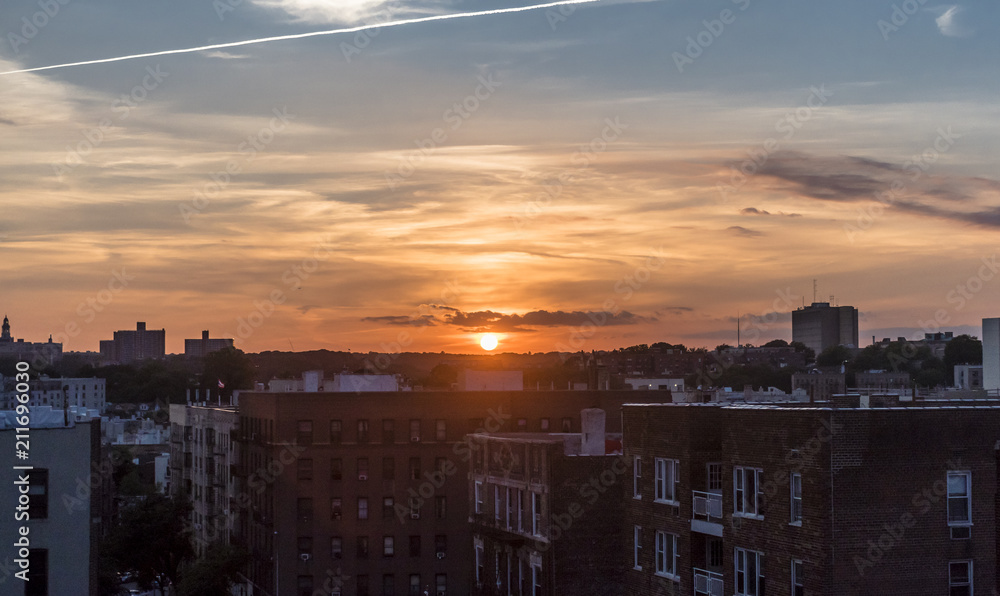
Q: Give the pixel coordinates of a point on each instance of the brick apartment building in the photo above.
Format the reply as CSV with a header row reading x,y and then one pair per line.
x,y
367,494
547,511
812,499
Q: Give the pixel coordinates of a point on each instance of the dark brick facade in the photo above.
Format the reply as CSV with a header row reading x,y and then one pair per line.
x,y
874,506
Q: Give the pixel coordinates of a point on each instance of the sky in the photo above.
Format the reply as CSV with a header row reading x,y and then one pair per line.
x,y
579,177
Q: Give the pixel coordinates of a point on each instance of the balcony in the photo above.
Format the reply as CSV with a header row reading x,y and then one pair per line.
x,y
707,582
707,509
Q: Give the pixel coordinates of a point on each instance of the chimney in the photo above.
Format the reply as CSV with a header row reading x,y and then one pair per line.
x,y
592,423
204,336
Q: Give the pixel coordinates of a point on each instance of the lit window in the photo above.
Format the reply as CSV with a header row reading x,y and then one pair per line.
x,y
748,495
666,554
667,477
796,484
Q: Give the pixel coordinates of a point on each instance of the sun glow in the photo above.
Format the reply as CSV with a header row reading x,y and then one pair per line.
x,y
489,341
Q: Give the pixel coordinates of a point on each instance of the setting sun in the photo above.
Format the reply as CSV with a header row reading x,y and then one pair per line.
x,y
489,341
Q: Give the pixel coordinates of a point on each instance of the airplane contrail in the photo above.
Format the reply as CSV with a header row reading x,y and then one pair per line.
x,y
233,44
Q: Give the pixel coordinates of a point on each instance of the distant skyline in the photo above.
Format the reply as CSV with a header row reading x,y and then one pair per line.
x,y
676,163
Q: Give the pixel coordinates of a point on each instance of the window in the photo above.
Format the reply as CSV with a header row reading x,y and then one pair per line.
x,y
388,546
337,547
441,583
667,477
796,483
497,504
414,468
362,547
336,469
544,425
38,571
536,580
441,507
960,578
414,546
304,469
388,585
414,431
305,544
798,585
748,495
305,585
480,565
714,472
336,508
567,425
336,432
519,508
522,425
38,496
666,554
362,468
536,513
637,548
362,431
440,430
304,509
388,507
414,507
749,573
414,584
959,498
509,507
479,496
636,477
362,507
440,545
388,431
304,432
362,585
388,468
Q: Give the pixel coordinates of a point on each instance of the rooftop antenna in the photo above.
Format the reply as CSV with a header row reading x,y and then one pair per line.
x,y
737,328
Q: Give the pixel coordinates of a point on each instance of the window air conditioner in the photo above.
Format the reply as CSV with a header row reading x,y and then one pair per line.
x,y
414,515
305,556
362,476
440,555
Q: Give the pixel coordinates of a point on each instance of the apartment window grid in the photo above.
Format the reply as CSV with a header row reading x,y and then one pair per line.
x,y
362,508
960,578
667,473
336,508
796,498
667,555
748,495
959,498
336,547
441,584
414,584
749,572
714,477
798,584
636,477
388,546
637,548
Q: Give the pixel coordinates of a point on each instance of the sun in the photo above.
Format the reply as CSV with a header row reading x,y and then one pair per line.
x,y
489,341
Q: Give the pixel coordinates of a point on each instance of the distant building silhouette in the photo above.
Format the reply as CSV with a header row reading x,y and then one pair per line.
x,y
26,350
821,326
196,348
991,354
131,346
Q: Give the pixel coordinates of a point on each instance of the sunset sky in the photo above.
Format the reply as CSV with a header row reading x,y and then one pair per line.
x,y
518,173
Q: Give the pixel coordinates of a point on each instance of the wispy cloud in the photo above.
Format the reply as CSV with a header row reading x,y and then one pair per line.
x,y
745,232
948,23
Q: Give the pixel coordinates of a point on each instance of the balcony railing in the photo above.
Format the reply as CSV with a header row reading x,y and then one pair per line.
x,y
707,582
707,506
